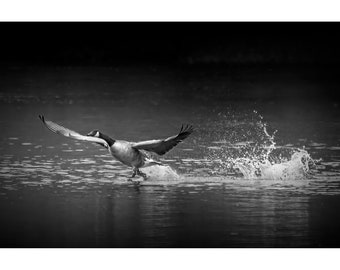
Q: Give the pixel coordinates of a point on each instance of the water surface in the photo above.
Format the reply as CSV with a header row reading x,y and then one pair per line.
x,y
56,192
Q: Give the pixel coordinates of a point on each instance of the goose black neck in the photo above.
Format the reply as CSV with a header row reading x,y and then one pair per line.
x,y
109,140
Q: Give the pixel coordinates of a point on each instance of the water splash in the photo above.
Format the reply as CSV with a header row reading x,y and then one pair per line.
x,y
252,153
298,167
160,172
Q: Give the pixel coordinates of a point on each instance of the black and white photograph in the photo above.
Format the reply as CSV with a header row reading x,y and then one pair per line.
x,y
170,135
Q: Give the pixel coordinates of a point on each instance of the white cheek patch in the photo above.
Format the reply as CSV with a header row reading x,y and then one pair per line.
x,y
97,134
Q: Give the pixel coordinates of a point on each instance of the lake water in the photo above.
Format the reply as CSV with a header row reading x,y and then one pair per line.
x,y
262,168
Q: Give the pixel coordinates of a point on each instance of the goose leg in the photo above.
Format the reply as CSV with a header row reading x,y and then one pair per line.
x,y
134,172
142,174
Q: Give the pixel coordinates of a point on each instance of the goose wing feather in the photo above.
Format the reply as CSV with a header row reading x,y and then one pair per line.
x,y
58,129
162,146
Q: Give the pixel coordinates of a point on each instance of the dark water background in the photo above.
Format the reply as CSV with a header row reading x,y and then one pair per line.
x,y
56,192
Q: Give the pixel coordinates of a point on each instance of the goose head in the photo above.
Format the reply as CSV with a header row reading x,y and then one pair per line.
x,y
98,134
94,133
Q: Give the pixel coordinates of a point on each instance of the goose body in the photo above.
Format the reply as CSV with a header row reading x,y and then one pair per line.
x,y
131,154
126,154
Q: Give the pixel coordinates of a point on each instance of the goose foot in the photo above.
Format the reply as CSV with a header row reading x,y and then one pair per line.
x,y
135,181
142,175
136,171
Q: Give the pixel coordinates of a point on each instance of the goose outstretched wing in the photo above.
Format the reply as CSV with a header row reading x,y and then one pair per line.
x,y
70,133
162,146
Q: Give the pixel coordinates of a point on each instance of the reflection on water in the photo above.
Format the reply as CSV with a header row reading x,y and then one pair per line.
x,y
59,192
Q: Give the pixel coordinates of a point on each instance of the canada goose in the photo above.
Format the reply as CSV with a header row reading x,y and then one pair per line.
x,y
129,153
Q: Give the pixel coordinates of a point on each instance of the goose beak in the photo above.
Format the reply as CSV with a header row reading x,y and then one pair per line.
x,y
92,133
